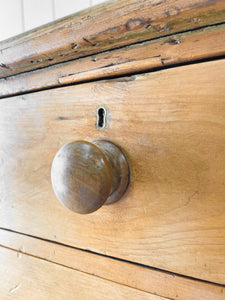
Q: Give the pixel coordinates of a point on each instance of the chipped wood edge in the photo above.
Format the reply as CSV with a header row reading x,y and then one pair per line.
x,y
116,70
117,23
176,49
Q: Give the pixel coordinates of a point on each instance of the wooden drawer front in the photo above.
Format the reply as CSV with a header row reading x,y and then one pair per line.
x,y
32,278
170,124
153,281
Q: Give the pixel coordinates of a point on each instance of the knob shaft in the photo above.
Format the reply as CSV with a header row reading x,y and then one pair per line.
x,y
87,175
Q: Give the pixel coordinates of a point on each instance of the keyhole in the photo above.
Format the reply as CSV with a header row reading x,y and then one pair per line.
x,y
101,115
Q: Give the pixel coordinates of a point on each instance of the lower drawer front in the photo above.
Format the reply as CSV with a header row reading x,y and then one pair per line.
x,y
26,277
170,124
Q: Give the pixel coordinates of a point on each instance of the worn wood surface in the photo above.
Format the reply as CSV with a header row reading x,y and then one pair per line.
x,y
26,277
171,126
181,48
149,280
110,25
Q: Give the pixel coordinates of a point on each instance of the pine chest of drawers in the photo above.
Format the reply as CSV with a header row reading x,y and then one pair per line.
x,y
149,77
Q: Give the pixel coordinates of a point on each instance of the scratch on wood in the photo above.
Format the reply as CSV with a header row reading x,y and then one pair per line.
x,y
65,118
15,288
5,67
87,40
148,26
167,13
166,59
190,198
109,65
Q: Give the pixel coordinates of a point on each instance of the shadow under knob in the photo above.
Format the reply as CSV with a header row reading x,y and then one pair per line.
x,y
87,175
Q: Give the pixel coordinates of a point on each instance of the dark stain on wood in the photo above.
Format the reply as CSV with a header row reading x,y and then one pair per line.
x,y
172,41
5,66
177,9
167,13
60,118
112,30
158,3
133,24
160,28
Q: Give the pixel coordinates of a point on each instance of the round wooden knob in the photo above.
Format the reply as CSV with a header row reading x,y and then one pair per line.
x,y
87,175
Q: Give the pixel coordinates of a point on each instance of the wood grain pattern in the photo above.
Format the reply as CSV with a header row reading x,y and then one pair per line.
x,y
160,283
171,126
162,52
110,25
81,177
87,175
26,277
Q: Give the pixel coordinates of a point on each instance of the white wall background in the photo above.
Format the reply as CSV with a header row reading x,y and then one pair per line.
x,y
17,16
